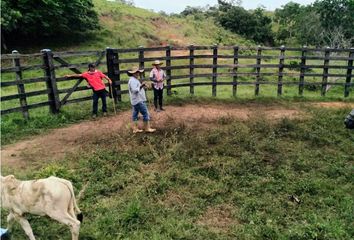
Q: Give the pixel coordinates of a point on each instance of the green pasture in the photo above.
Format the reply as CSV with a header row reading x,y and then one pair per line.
x,y
231,180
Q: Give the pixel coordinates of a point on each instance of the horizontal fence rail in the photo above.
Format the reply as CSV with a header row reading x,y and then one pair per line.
x,y
227,62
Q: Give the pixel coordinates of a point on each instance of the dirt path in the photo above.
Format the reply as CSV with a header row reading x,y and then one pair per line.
x,y
59,142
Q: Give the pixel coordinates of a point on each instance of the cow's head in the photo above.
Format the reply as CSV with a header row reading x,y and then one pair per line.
x,y
8,185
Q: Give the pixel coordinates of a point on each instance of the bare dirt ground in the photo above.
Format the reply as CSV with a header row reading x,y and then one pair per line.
x,y
57,143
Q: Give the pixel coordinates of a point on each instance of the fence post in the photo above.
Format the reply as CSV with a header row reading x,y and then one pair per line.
x,y
141,61
349,73
114,73
281,68
168,71
258,70
302,70
20,85
49,74
235,83
191,69
325,72
215,69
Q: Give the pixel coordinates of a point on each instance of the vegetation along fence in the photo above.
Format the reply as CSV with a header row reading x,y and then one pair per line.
x,y
38,80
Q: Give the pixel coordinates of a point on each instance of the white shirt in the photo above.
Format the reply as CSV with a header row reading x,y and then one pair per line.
x,y
136,93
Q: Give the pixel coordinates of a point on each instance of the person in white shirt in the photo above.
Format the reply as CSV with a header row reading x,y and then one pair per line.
x,y
157,76
138,100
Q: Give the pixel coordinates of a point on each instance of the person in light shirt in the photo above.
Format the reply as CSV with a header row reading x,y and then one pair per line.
x,y
94,79
138,100
157,76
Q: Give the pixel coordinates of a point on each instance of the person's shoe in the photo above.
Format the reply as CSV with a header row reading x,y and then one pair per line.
x,y
94,116
104,114
136,128
148,128
162,109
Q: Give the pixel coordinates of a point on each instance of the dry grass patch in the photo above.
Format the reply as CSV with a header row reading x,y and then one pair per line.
x,y
218,218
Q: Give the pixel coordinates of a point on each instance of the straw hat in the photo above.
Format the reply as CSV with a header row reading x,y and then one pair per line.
x,y
135,70
157,62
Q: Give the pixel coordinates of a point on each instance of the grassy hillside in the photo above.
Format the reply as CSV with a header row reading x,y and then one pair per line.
x,y
123,25
128,26
230,179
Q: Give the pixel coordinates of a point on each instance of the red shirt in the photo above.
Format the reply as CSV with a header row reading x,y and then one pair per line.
x,y
94,79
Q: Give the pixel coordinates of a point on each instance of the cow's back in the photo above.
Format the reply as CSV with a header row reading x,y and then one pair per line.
x,y
43,195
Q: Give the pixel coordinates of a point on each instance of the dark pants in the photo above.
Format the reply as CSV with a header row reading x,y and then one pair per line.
x,y
158,93
96,95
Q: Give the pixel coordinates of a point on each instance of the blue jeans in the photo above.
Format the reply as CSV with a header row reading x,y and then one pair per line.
x,y
142,108
96,95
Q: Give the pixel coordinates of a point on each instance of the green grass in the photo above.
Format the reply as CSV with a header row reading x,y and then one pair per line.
x,y
180,182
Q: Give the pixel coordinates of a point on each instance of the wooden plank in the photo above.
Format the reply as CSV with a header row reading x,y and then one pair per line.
x,y
22,95
215,69
20,85
191,69
78,89
28,107
302,70
258,70
168,72
21,68
111,58
281,67
141,62
77,54
49,73
325,73
10,56
24,81
349,74
152,49
66,64
76,100
234,70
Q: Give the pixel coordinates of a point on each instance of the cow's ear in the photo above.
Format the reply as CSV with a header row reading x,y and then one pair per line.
x,y
11,182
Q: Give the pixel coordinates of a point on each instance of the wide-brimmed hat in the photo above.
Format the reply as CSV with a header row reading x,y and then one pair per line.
x,y
135,70
157,62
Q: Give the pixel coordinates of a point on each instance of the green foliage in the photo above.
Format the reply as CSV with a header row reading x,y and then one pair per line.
x,y
37,19
253,25
326,22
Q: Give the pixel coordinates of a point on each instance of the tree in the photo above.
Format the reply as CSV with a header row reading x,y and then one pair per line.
x,y
308,29
255,25
337,16
262,32
36,19
287,17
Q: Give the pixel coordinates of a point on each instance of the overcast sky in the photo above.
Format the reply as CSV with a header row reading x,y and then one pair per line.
x,y
177,6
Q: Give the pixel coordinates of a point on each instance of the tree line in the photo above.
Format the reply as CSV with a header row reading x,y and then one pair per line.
x,y
323,23
36,21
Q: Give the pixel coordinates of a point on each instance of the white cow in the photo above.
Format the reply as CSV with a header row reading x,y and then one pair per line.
x,y
51,196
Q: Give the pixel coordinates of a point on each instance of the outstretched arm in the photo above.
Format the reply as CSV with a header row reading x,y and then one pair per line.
x,y
108,80
73,76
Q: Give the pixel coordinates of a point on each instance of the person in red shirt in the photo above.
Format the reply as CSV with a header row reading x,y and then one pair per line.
x,y
94,79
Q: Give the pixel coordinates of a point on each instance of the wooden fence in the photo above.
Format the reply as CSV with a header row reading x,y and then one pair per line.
x,y
297,63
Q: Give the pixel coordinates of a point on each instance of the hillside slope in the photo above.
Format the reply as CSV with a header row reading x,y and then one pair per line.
x,y
128,26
